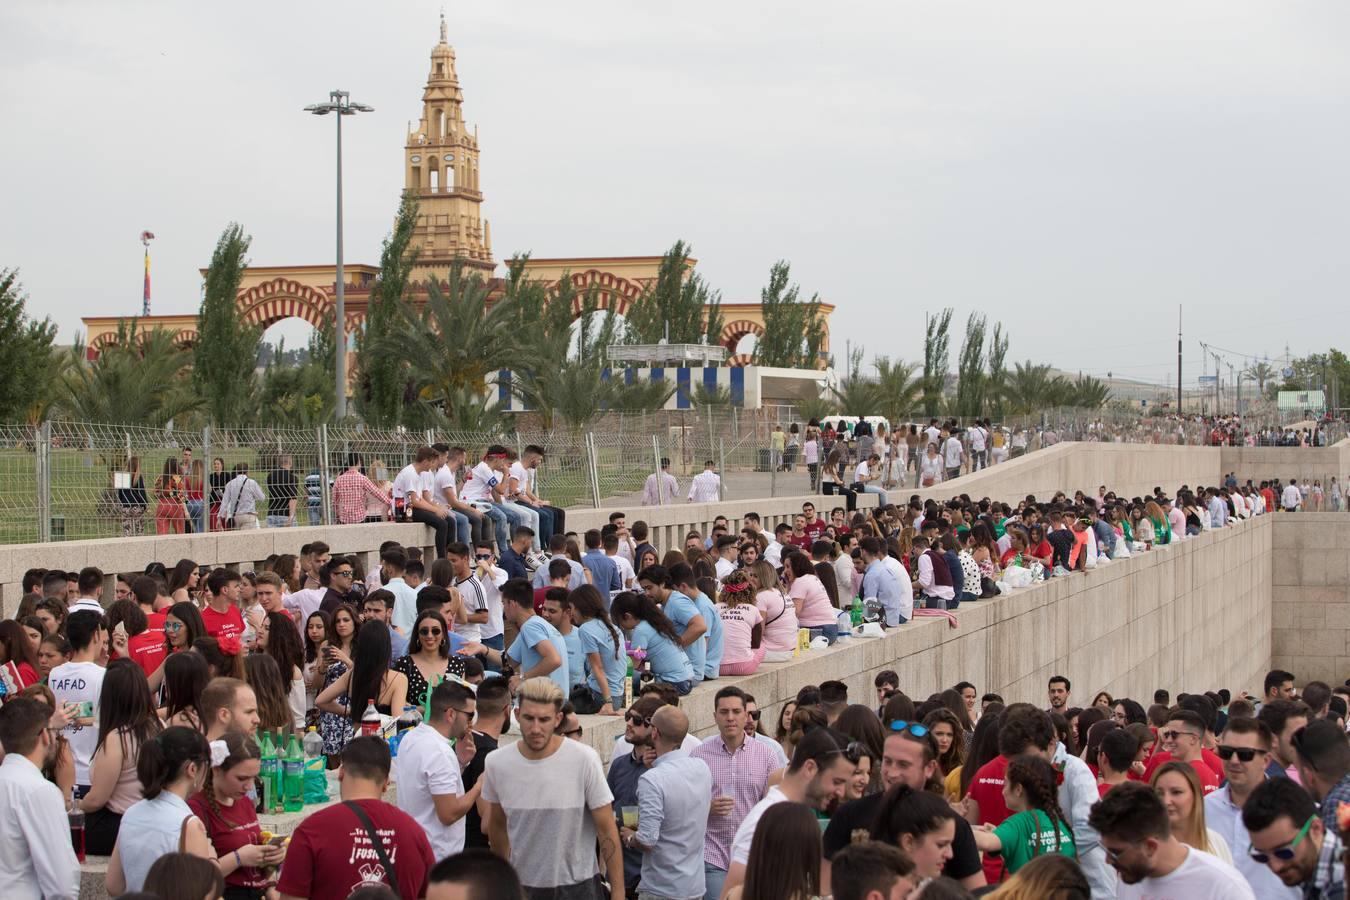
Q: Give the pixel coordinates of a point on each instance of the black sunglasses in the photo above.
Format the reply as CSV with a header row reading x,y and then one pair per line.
x,y
853,752
429,632
637,719
754,714
483,557
1245,754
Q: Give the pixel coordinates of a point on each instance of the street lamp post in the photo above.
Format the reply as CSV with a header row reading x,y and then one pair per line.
x,y
340,102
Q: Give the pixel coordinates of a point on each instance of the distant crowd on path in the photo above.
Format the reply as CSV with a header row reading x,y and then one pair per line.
x,y
144,718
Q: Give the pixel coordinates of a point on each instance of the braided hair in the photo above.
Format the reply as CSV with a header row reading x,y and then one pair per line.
x,y
1039,780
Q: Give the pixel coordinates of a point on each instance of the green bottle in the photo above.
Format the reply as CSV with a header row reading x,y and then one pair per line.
x,y
293,769
278,774
268,773
855,615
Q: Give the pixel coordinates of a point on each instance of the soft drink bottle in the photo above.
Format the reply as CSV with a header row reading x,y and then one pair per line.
x,y
370,720
855,615
313,744
76,816
294,776
268,772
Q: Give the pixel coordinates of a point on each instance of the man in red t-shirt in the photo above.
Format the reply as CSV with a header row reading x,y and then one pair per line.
x,y
222,616
1115,757
332,852
147,649
1181,738
815,526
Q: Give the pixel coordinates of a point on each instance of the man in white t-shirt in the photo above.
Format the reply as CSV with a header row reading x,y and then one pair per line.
x,y
439,487
868,474
80,681
933,433
1151,862
411,496
484,487
549,801
978,440
952,455
609,542
552,519
817,776
428,768
471,593
1291,498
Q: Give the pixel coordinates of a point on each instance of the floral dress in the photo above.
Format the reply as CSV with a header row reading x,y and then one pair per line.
x,y
335,729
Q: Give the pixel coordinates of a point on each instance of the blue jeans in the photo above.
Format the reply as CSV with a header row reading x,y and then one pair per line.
x,y
194,514
830,632
278,521
714,878
873,489
500,524
545,521
463,531
520,514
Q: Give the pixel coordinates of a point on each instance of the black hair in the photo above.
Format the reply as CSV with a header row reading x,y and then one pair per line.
x,y
1275,678
641,607
183,875
82,626
367,757
162,758
904,810
483,874
1023,728
1119,747
22,720
193,626
126,708
586,600
1132,812
370,662
1040,782
817,745
1275,798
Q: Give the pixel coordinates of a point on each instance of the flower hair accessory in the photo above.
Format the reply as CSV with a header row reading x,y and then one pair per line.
x,y
219,753
229,644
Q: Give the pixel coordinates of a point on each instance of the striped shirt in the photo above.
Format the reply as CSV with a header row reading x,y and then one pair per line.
x,y
471,590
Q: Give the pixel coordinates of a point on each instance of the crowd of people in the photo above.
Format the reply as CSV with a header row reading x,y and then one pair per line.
x,y
143,706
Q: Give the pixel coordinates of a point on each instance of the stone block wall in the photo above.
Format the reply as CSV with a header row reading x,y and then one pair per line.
x,y
1310,607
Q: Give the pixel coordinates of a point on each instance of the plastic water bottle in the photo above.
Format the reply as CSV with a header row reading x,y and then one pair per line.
x,y
855,615
313,743
268,773
370,720
293,767
76,816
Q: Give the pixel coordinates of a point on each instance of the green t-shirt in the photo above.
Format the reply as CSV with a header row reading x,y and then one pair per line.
x,y
1027,835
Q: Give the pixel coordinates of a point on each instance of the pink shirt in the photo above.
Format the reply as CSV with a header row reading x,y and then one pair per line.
x,y
816,607
780,620
738,622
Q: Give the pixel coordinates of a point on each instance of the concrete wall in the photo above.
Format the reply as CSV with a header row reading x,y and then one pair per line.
x,y
1267,463
1311,596
1193,616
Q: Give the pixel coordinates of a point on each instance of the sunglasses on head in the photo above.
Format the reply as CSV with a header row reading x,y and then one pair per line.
x,y
1286,852
1245,754
913,728
853,752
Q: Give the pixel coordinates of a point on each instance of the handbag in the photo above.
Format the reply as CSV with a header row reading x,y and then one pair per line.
x,y
583,700
390,875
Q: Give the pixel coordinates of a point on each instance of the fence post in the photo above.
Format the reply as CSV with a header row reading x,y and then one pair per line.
x,y
722,467
205,524
656,462
593,470
325,497
44,480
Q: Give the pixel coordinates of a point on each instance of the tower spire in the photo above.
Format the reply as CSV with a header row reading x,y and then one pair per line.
x,y
443,37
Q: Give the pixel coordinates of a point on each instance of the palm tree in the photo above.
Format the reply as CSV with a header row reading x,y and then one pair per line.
x,y
576,392
139,380
457,341
857,395
1261,373
1029,387
899,390
1089,392
815,408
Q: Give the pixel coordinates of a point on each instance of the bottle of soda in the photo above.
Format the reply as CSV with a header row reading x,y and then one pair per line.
x,y
313,744
268,772
76,816
294,776
400,510
855,615
370,720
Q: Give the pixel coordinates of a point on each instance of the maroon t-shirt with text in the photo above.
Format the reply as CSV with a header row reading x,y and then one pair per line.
x,y
330,854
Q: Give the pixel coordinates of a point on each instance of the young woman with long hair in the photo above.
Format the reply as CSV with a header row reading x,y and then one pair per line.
x,y
652,632
317,627
194,484
55,651
225,660
778,612
952,700
287,568
126,720
231,820
860,724
603,647
282,643
742,626
344,700
217,481
983,747
270,689
783,729
170,508
920,823
942,724
17,649
809,598
183,627
785,856
1179,788
1037,824
171,767
131,500
53,615
428,659
185,677
182,581
1048,877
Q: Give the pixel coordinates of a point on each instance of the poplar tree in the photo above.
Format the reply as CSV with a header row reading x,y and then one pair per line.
x,y
681,301
225,356
794,329
26,347
381,376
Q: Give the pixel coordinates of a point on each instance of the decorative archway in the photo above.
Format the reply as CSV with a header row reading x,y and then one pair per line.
x,y
185,338
610,289
733,332
269,302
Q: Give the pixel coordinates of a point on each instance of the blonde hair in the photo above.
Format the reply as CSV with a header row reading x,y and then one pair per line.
x,y
1191,830
541,689
1050,876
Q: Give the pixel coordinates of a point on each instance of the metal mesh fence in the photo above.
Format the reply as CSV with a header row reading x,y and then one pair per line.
x,y
69,480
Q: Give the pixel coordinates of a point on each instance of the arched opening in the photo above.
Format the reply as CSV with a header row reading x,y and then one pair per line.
x,y
746,345
435,180
449,177
286,342
438,126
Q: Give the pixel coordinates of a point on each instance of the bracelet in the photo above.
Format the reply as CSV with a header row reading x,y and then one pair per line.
x,y
237,861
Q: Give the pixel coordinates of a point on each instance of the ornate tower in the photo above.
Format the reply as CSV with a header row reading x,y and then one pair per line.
x,y
441,169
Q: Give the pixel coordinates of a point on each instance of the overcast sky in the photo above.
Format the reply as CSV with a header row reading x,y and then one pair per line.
x,y
1072,169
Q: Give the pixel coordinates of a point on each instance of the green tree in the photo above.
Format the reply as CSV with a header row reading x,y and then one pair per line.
x,y
226,350
899,389
794,329
970,378
26,346
815,408
301,395
679,300
1261,373
382,378
998,369
1031,387
139,380
857,394
1088,393
935,362
456,343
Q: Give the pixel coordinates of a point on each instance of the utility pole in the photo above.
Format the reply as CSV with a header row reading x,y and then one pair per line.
x,y
1217,392
1178,359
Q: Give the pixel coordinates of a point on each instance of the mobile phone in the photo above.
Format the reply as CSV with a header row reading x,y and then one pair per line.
x,y
278,840
84,709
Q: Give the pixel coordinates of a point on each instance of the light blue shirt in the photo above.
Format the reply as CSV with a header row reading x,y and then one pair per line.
x,y
405,604
879,582
712,641
681,611
668,661
398,644
1218,512
596,638
156,825
535,631
673,799
604,573
576,659
577,579
1224,818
